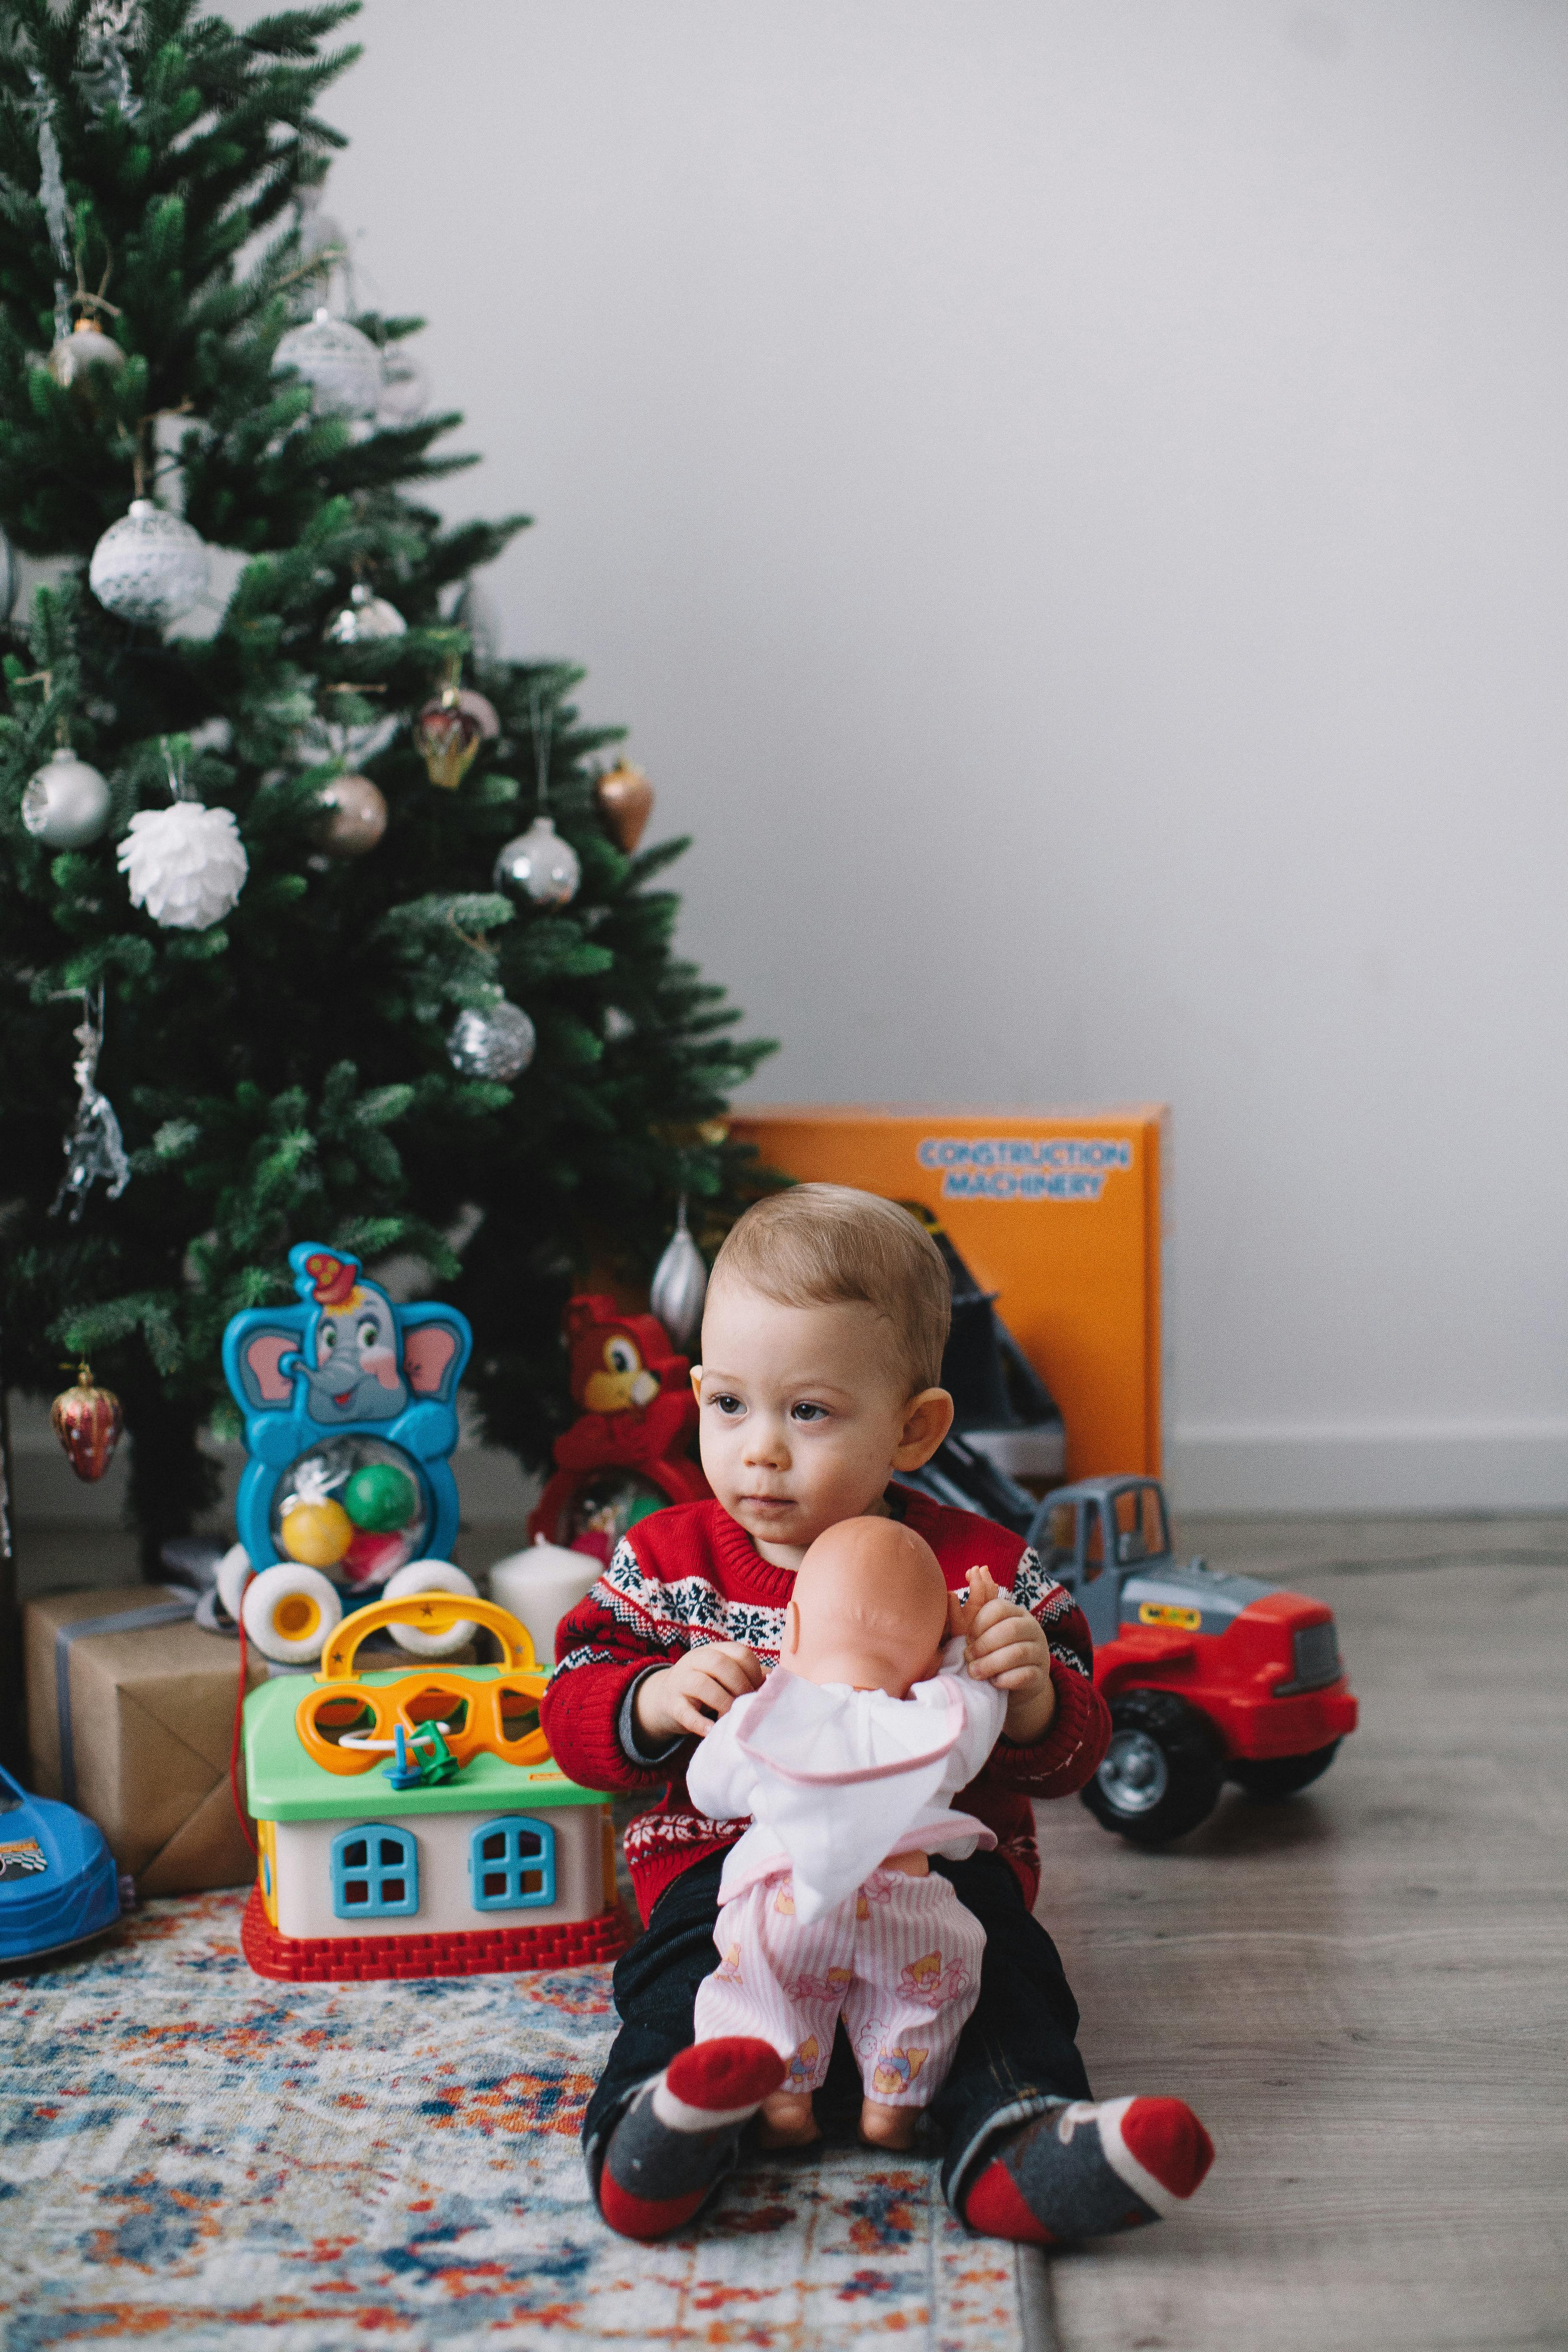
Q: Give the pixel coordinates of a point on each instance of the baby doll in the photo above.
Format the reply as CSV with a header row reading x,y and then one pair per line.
x,y
846,1759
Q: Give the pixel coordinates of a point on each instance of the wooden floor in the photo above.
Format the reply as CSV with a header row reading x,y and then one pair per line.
x,y
1364,1991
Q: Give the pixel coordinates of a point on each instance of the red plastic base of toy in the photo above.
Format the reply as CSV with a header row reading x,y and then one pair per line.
x,y
477,1952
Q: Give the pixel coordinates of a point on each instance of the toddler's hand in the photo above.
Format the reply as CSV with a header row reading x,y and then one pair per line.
x,y
689,1696
1007,1646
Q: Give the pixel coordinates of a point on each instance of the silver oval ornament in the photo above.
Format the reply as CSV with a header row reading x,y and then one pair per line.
x,y
366,619
66,803
539,863
679,1288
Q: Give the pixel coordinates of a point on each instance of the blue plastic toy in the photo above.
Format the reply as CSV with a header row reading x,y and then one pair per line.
x,y
346,1364
57,1879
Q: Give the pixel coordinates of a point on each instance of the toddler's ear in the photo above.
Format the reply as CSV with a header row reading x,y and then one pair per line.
x,y
696,1382
792,1630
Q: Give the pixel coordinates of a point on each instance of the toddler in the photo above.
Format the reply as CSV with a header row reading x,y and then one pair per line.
x,y
822,1344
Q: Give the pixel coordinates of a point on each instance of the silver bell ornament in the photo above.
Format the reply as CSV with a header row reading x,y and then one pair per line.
x,y
75,354
366,619
341,366
680,1287
66,802
186,865
149,566
491,1041
539,863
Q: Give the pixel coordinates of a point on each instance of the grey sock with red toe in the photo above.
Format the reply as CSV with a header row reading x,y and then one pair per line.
x,y
1082,2171
679,2135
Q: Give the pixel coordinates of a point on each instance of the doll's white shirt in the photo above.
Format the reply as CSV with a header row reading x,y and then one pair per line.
x,y
832,1834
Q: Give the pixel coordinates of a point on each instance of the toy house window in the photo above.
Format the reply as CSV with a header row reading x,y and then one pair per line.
x,y
375,1873
512,1866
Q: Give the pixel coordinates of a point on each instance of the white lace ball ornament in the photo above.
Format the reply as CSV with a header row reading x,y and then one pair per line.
x,y
66,803
341,366
492,1040
542,864
149,566
186,865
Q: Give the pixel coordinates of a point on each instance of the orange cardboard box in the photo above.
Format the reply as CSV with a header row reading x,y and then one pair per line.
x,y
1058,1211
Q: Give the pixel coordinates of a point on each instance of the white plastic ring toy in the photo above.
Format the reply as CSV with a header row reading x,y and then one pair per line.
x,y
430,1576
292,1612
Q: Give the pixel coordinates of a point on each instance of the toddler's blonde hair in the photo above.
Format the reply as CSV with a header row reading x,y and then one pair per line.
x,y
828,1244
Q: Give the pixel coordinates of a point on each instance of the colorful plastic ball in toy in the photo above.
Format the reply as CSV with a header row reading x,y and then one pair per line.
x,y
317,1534
372,1557
381,1498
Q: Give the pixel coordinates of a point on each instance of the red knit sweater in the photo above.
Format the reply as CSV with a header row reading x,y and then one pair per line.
x,y
692,1574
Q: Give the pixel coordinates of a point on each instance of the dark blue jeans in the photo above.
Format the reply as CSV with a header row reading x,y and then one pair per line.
x,y
1016,2057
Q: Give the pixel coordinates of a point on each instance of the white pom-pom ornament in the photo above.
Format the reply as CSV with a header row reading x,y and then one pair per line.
x,y
186,865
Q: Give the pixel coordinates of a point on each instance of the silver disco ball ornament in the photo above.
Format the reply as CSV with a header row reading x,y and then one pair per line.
x,y
341,366
10,577
366,619
149,566
66,803
491,1041
539,863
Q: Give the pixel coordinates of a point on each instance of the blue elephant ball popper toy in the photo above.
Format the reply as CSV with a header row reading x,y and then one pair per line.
x,y
58,1884
355,1396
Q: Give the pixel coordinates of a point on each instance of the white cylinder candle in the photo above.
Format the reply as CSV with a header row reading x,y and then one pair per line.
x,y
540,1585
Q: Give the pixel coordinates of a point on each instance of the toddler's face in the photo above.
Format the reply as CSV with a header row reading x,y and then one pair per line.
x,y
804,1414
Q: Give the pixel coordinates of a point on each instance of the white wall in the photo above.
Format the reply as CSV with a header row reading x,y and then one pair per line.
x,y
1070,496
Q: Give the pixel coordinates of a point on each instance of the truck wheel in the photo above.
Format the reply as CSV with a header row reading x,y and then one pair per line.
x,y
1162,1772
1281,1776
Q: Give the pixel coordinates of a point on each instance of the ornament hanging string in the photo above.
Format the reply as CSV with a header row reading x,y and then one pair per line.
x,y
541,732
175,750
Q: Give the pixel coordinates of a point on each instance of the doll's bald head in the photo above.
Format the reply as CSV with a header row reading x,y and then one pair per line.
x,y
869,1608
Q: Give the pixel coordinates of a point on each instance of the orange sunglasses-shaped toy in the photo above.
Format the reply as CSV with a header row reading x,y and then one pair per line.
x,y
348,1725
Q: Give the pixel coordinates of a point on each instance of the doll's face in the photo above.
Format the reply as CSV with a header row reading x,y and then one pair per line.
x,y
804,1415
870,1608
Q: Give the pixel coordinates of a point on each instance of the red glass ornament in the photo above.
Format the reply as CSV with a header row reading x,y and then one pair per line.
x,y
88,1422
447,737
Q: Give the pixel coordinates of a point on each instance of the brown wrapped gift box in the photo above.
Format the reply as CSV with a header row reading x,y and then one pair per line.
x,y
150,1720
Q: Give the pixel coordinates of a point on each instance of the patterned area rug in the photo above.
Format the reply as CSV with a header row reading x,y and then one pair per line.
x,y
197,2158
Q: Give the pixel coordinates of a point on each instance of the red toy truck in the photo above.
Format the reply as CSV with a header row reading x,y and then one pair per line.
x,y
1209,1676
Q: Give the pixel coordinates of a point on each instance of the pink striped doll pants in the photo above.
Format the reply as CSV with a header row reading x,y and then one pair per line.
x,y
899,1961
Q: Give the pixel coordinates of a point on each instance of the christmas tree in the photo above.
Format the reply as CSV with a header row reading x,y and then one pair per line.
x,y
341,1050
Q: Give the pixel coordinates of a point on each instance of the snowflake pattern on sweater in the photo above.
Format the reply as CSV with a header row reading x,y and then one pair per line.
x,y
690,1575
